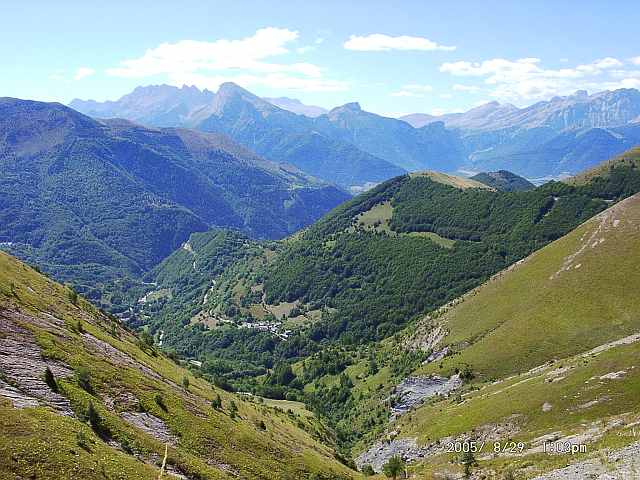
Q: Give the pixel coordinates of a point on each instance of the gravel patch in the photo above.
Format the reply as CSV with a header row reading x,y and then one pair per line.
x,y
413,391
151,425
623,464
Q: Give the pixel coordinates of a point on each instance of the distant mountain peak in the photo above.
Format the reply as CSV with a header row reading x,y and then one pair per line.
x,y
504,180
227,87
231,95
351,107
355,106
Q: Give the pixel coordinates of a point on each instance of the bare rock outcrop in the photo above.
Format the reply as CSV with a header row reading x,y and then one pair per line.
x,y
22,366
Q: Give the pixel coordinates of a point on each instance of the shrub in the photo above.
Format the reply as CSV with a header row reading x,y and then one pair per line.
x,y
72,295
82,439
160,402
126,446
394,467
468,460
50,380
185,382
94,419
83,377
367,471
146,338
216,402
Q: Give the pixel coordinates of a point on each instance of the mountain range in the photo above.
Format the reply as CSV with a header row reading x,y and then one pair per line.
x,y
86,198
264,128
429,310
352,147
580,110
296,106
564,135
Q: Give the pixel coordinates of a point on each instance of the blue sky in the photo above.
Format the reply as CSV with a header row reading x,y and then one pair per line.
x,y
392,57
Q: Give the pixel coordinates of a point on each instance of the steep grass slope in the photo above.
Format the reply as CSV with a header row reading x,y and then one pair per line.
x,y
630,159
114,403
573,295
552,346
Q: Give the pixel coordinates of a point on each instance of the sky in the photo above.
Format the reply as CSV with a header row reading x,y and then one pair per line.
x,y
393,57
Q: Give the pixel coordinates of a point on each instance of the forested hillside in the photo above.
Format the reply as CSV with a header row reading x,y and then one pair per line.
x,y
92,201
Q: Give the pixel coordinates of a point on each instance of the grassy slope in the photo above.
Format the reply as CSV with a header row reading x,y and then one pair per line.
x,y
451,180
39,443
581,401
544,308
544,311
630,158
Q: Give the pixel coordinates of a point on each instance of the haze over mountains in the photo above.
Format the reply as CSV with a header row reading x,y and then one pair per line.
x,y
277,134
352,147
171,229
83,197
296,106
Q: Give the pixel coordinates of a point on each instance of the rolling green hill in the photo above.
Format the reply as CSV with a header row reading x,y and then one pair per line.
x,y
504,180
573,295
113,402
629,159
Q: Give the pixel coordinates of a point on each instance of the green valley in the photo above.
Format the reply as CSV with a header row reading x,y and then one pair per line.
x,y
316,317
319,241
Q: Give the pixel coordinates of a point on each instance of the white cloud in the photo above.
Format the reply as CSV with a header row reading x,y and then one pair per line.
x,y
525,79
413,90
378,42
83,72
465,88
635,60
193,55
599,65
245,61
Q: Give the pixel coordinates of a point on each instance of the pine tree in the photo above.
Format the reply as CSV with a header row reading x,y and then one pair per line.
x,y
394,467
94,418
468,460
